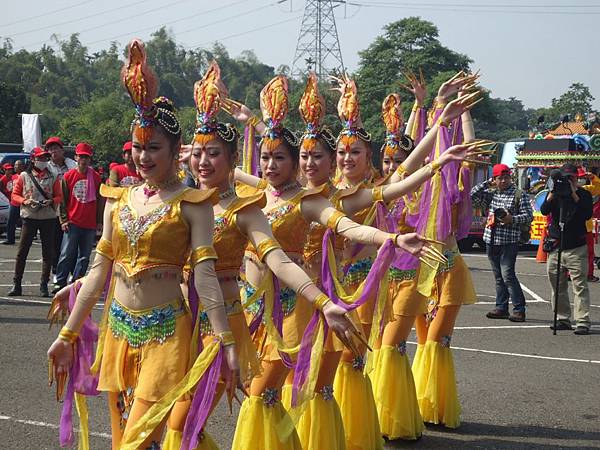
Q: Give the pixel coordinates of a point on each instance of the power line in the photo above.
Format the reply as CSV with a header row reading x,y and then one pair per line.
x,y
129,33
472,5
464,9
27,19
244,32
125,19
56,25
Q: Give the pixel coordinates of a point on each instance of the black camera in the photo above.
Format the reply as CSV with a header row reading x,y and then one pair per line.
x,y
559,184
500,213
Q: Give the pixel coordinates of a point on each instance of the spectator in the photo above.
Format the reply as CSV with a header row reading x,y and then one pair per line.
x,y
79,217
59,165
14,207
6,180
593,187
125,174
577,205
508,209
38,193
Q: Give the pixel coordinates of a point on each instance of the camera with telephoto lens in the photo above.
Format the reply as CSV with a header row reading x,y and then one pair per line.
x,y
559,184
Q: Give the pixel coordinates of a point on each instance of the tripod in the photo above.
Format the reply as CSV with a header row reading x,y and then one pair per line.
x,y
561,225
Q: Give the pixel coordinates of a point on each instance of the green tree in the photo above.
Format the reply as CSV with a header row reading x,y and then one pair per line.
x,y
14,101
577,100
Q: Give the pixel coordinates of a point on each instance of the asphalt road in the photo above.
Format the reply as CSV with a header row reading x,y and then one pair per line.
x,y
520,386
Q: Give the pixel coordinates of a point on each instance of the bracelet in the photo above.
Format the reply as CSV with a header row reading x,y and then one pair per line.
x,y
68,335
265,246
202,253
443,124
320,301
401,170
226,338
416,107
395,237
252,121
434,166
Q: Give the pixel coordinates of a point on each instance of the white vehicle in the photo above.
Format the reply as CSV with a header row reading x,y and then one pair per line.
x,y
4,204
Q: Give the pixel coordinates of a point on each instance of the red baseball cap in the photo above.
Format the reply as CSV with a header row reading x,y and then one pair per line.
x,y
54,140
7,166
127,146
500,169
581,173
83,148
39,151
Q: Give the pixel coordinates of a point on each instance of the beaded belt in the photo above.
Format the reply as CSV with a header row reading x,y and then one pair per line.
x,y
358,271
139,327
286,294
398,275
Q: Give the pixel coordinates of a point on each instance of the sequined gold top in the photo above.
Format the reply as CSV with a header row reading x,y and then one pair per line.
x,y
158,238
289,226
229,241
314,241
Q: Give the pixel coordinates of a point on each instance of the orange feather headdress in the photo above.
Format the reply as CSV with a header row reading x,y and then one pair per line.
x,y
349,112
274,108
312,110
391,112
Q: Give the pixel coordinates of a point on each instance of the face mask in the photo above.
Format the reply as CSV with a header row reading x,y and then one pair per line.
x,y
41,165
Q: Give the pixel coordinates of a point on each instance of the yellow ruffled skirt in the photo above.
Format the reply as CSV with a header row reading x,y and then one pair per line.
x,y
395,395
321,425
433,370
354,395
258,425
173,441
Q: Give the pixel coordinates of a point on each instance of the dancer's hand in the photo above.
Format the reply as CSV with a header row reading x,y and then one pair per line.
x,y
452,86
456,107
417,86
230,368
60,359
59,309
338,320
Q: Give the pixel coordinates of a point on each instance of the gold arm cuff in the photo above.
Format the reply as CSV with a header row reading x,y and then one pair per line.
x,y
202,253
416,107
321,301
226,338
443,124
262,184
265,246
378,194
334,219
104,247
68,335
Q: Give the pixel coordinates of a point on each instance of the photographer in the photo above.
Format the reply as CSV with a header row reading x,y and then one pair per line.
x,y
37,192
509,210
576,205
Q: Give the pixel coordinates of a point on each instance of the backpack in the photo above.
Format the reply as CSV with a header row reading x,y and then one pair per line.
x,y
524,228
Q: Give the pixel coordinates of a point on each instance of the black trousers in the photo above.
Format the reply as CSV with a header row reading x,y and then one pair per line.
x,y
29,229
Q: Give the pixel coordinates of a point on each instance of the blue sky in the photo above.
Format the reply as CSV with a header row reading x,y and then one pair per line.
x,y
529,49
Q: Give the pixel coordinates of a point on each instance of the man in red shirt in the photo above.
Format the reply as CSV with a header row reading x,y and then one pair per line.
x,y
37,193
6,180
14,209
79,216
125,174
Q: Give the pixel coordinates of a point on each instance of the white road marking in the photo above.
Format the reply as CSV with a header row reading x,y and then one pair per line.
x,y
37,423
18,300
483,255
522,355
22,285
28,271
533,294
12,261
499,327
528,302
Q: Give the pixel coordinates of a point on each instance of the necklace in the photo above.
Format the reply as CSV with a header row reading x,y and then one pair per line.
x,y
151,189
228,193
277,193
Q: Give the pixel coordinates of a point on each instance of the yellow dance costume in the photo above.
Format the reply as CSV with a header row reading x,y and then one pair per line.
x,y
145,353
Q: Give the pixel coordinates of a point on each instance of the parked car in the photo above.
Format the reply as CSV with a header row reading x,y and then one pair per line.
x,y
12,157
4,204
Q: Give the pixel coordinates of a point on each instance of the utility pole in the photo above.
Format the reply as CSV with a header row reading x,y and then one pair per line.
x,y
318,45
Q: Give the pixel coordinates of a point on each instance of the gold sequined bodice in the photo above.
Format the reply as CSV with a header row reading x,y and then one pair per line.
x,y
229,242
158,238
